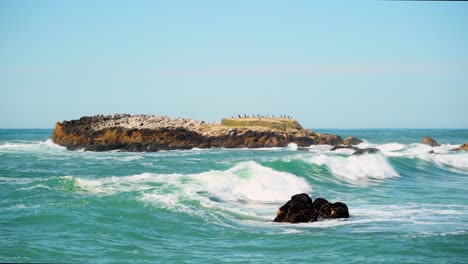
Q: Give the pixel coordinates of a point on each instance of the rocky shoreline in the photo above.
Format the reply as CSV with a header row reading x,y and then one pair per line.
x,y
152,133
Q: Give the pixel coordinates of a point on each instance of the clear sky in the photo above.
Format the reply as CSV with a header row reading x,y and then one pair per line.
x,y
329,64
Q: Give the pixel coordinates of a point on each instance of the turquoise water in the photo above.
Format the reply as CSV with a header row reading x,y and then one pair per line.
x,y
209,206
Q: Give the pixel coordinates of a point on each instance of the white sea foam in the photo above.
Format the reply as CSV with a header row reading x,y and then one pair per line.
x,y
50,144
292,146
319,148
442,155
356,168
343,151
253,182
248,189
458,160
391,147
365,144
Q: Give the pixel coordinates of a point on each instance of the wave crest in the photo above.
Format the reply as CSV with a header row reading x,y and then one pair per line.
x,y
356,168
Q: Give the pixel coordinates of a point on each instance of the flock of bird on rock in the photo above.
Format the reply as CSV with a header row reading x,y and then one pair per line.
x,y
262,116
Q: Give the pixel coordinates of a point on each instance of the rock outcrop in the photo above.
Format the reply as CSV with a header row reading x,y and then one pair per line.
x,y
357,151
366,151
343,147
352,141
153,133
301,209
430,142
462,147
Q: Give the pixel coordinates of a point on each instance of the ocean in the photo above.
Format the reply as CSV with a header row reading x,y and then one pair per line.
x,y
217,205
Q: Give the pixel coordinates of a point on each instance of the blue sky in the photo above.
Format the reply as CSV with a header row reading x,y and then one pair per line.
x,y
329,64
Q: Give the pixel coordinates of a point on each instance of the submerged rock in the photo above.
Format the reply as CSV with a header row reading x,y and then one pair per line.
x,y
303,149
366,151
462,147
301,209
430,142
352,141
343,147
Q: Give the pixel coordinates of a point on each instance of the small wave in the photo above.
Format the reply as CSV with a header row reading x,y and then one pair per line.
x,y
50,144
356,168
443,234
37,186
114,185
21,206
31,145
127,157
16,146
14,180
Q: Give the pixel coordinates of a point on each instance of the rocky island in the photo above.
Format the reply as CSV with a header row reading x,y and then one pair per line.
x,y
152,133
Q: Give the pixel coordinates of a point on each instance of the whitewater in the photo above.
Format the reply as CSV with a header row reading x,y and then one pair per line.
x,y
406,205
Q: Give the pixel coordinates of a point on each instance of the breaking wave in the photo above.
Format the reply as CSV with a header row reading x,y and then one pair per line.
x,y
356,168
248,189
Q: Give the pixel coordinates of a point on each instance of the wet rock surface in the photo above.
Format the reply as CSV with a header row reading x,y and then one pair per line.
x,y
352,141
462,147
357,151
366,151
301,209
343,147
430,142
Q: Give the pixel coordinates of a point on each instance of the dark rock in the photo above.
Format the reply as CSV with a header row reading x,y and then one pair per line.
x,y
431,152
366,151
301,209
352,141
430,142
301,198
343,147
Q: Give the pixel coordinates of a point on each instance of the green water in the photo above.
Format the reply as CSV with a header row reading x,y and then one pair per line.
x,y
210,206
